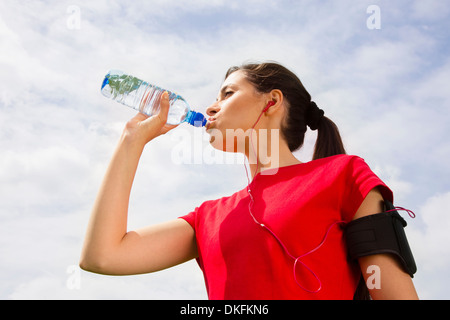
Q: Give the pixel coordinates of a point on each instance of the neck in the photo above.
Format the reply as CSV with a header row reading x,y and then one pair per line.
x,y
268,152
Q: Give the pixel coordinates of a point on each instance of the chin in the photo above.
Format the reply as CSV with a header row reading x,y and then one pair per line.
x,y
235,141
221,145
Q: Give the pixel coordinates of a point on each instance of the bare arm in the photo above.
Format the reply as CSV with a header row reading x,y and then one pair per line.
x,y
108,247
396,284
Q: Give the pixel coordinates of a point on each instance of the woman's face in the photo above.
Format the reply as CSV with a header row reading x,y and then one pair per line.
x,y
235,111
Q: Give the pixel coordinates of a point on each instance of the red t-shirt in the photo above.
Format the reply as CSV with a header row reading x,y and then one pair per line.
x,y
242,260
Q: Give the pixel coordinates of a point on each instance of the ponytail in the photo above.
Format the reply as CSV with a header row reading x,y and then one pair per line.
x,y
329,142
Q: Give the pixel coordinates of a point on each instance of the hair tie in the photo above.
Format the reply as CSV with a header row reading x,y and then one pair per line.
x,y
313,116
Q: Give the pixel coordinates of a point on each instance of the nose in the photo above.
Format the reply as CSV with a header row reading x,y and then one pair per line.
x,y
213,109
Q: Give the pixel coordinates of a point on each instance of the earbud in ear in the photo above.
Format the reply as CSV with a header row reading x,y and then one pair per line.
x,y
270,104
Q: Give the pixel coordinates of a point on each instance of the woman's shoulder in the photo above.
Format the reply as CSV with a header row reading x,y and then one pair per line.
x,y
337,167
338,161
230,200
341,158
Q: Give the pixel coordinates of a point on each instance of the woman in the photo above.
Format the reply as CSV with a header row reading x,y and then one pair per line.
x,y
280,238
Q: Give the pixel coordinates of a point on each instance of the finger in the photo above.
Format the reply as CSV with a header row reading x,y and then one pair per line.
x,y
164,109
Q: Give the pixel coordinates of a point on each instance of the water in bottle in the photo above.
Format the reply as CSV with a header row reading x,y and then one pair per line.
x,y
145,98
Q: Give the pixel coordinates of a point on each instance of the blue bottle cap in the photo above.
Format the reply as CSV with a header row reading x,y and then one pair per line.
x,y
197,119
105,81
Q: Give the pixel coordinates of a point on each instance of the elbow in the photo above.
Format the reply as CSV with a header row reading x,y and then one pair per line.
x,y
98,259
93,264
88,265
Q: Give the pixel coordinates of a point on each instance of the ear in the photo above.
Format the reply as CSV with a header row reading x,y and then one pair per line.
x,y
274,101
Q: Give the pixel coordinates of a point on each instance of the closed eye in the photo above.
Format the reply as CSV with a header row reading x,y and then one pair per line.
x,y
226,91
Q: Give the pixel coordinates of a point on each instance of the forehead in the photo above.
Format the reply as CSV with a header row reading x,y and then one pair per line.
x,y
236,78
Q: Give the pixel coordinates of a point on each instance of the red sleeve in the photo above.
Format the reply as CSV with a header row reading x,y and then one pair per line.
x,y
360,181
190,218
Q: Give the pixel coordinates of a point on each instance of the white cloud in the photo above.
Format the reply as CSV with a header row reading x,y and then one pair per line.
x,y
171,284
429,240
431,10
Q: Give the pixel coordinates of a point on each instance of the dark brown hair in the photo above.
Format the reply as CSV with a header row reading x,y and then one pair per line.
x,y
269,76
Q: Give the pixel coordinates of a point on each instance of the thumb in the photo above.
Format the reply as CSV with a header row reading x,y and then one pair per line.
x,y
164,108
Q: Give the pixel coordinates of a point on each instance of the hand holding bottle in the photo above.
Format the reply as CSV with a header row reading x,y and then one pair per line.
x,y
142,128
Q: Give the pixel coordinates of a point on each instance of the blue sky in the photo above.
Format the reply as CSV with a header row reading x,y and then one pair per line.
x,y
387,90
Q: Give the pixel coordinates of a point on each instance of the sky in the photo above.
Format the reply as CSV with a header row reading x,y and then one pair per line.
x,y
379,69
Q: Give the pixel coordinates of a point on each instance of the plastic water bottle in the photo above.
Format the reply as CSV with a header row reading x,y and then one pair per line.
x,y
145,98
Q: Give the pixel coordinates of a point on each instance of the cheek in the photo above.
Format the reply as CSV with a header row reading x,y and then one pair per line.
x,y
238,114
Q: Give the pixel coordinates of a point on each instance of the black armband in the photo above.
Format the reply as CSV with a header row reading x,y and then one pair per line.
x,y
380,233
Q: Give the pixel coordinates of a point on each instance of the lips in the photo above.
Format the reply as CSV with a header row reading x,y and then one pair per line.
x,y
210,122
